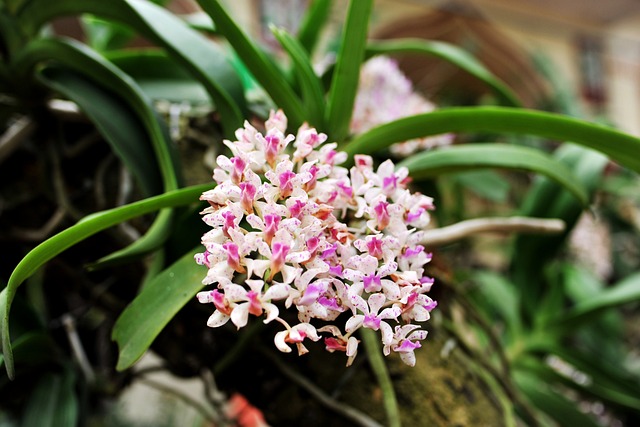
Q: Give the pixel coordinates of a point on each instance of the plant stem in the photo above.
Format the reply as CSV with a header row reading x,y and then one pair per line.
x,y
449,234
372,347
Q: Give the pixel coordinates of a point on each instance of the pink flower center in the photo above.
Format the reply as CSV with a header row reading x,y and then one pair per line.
x,y
374,247
272,148
248,193
311,184
255,305
296,209
411,252
220,302
407,346
345,189
271,226
382,216
279,254
331,157
372,283
229,219
330,303
389,183
286,184
238,169
312,244
233,257
333,344
371,321
412,216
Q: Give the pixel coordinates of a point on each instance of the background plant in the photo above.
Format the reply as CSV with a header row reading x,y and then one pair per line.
x,y
543,304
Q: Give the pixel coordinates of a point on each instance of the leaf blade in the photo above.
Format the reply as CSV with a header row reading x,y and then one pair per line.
x,y
88,226
481,156
312,24
624,292
262,69
312,91
207,62
619,146
346,76
450,53
158,302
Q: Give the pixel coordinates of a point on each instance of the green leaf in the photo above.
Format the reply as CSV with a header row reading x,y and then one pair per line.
x,y
499,295
620,147
115,121
32,348
624,292
450,53
159,76
53,403
205,60
83,60
546,199
591,388
344,84
379,368
611,376
160,300
478,156
104,35
566,413
312,91
271,79
78,57
486,184
87,227
312,24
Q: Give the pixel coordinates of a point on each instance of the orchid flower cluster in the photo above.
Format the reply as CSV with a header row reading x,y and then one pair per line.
x,y
291,226
384,95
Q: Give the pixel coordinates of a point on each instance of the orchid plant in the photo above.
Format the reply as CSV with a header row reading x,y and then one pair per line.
x,y
311,226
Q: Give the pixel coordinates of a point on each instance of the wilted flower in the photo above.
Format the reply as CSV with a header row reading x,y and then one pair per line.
x,y
291,225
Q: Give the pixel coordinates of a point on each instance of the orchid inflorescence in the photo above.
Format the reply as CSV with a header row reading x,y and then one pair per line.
x,y
289,225
385,94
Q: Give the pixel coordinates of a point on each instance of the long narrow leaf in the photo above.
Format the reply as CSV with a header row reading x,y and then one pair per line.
x,y
620,147
115,121
271,79
624,292
206,61
159,76
53,403
160,299
87,227
566,413
546,199
450,53
312,24
607,393
480,156
344,84
79,57
312,91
